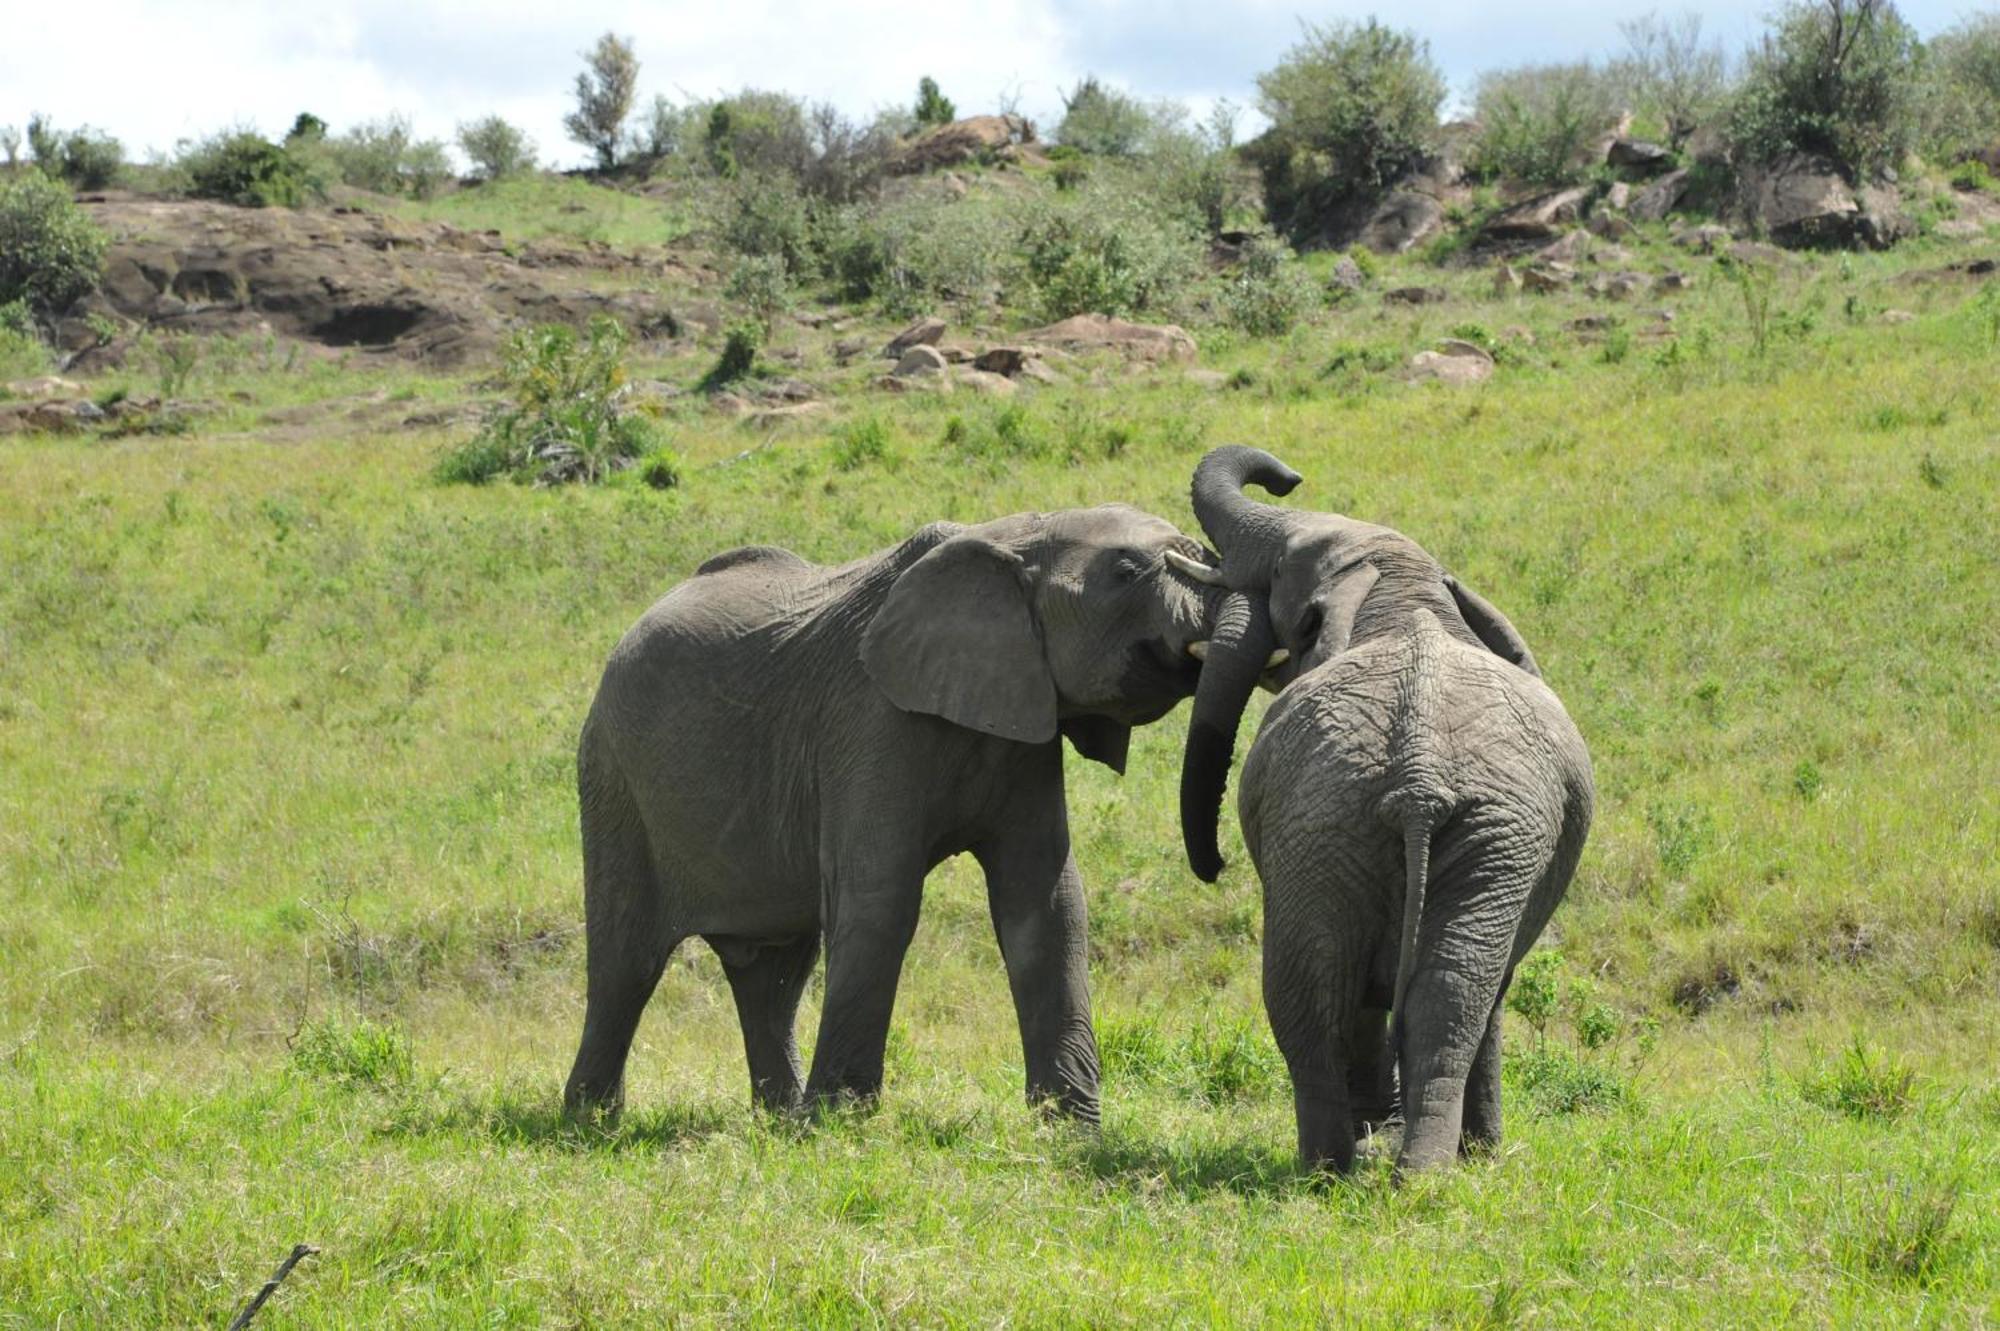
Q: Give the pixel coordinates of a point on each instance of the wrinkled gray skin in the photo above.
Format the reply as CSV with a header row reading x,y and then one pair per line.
x,y
780,751
1414,802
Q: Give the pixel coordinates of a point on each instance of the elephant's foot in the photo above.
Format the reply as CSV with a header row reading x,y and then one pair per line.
x,y
593,1107
1068,1104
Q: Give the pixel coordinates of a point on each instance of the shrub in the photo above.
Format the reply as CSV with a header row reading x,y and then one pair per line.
x,y
860,443
21,350
1900,1228
845,160
1191,171
1556,1081
359,1052
242,167
765,216
758,133
1101,120
385,156
738,358
1837,78
50,251
1106,251
933,107
1353,107
604,97
914,253
10,144
565,419
661,469
762,285
1539,124
84,158
495,148
1268,292
670,130
1962,97
1674,77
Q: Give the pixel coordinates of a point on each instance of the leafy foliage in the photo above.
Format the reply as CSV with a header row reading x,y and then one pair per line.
x,y
1838,78
1675,77
1100,120
1538,124
84,158
386,156
762,285
244,168
50,252
358,1052
1105,251
1269,291
604,97
1353,107
566,418
496,148
933,107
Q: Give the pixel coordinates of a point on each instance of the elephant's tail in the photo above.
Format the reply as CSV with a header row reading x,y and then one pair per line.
x,y
1418,799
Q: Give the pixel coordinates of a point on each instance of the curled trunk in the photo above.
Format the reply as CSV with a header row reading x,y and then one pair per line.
x,y
1237,653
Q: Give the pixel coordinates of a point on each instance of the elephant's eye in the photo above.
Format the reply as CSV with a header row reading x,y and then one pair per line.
x,y
1310,624
1132,566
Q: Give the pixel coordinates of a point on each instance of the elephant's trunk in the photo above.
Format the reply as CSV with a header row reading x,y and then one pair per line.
x,y
1249,534
1237,655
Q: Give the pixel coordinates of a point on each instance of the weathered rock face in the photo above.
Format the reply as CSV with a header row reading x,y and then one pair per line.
x,y
347,279
1802,201
961,142
1541,218
1653,203
1100,332
1403,220
1454,362
919,359
1346,277
1416,296
1638,156
920,332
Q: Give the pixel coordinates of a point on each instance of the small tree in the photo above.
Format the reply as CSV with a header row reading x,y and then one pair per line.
x,y
84,158
1539,124
50,252
933,107
1836,78
1101,120
604,97
1674,74
495,148
1353,107
386,156
242,167
10,143
1962,101
306,128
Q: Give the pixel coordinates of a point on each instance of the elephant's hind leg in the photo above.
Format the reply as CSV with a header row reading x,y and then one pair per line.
x,y
628,938
1481,1128
768,978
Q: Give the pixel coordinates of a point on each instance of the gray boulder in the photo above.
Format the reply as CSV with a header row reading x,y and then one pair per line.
x,y
1653,203
1638,156
1541,218
1403,220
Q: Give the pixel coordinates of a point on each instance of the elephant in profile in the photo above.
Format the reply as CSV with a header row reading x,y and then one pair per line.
x,y
1415,802
779,752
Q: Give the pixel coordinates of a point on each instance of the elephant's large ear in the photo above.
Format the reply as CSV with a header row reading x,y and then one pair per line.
x,y
1491,627
1100,739
1342,604
955,639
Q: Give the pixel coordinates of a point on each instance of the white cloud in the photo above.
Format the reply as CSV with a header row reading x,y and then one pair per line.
x,y
154,71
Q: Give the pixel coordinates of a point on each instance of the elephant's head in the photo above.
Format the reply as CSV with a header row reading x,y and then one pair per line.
x,y
1294,589
1085,622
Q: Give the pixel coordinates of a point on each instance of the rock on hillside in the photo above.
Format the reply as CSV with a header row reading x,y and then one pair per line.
x,y
350,279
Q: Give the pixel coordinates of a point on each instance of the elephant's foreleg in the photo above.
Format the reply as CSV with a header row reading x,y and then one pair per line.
x,y
868,928
627,937
768,980
1036,897
1481,1128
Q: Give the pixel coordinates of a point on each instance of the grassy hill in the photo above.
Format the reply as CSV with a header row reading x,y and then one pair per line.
x,y
289,886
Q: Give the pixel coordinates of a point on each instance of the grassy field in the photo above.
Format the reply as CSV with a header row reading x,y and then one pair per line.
x,y
289,893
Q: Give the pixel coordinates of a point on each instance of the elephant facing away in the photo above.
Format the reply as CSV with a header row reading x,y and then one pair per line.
x,y
1415,802
779,752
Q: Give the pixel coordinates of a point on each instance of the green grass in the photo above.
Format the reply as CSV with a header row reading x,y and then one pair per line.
x,y
544,207
289,884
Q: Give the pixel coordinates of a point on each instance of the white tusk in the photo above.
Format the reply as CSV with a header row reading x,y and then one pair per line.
x,y
1278,658
1199,650
1199,572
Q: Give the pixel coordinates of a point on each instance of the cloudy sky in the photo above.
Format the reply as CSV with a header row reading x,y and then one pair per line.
x,y
154,71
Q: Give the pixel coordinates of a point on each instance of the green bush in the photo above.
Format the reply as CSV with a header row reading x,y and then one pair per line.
x,y
1861,1084
860,443
355,1053
758,133
242,167
21,351
50,251
496,148
1194,172
1102,121
1539,125
661,469
83,158
761,283
565,419
917,252
385,156
1269,292
1106,251
1837,78
933,107
765,216
1353,107
1962,96
738,358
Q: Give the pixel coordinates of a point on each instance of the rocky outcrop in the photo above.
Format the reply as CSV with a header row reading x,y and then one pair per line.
x,y
962,142
923,331
1454,362
1653,203
1540,219
351,280
1403,220
1638,157
1804,202
1101,332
